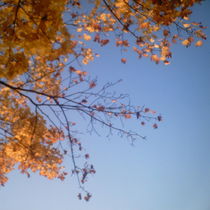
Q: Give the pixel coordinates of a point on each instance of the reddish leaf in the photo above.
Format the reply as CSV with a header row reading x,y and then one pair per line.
x,y
92,84
155,126
123,60
104,42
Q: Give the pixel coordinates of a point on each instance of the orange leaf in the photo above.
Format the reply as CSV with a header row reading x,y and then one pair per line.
x,y
186,42
145,25
166,62
127,116
199,43
81,73
155,58
123,60
186,25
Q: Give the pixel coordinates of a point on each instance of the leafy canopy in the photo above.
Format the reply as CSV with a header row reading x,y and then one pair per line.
x,y
40,41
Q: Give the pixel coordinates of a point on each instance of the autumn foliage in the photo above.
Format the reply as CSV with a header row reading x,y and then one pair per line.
x,y
40,85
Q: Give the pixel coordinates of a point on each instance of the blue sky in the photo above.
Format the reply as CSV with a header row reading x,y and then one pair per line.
x,y
169,171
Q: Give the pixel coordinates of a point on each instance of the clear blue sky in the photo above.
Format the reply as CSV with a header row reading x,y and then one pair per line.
x,y
169,171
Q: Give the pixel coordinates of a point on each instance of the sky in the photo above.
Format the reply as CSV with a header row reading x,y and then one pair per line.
x,y
168,171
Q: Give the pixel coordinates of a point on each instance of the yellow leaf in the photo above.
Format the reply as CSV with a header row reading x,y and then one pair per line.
x,y
186,25
186,18
155,58
86,37
79,29
186,42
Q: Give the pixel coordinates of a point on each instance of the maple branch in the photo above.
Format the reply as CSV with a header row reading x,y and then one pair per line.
x,y
75,167
174,22
16,13
87,109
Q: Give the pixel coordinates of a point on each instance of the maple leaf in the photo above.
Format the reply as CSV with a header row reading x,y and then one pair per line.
x,y
92,84
127,116
123,60
199,43
100,108
104,42
186,25
166,32
97,38
87,156
186,42
155,58
86,37
166,62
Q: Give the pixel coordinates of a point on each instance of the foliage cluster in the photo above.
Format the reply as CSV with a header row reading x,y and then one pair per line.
x,y
40,87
